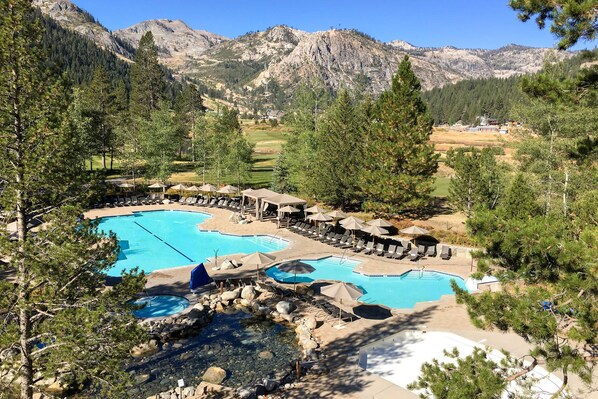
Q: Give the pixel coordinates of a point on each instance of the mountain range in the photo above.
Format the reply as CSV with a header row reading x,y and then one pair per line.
x,y
250,67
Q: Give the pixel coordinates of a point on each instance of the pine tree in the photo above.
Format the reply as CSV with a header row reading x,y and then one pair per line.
x,y
339,155
477,180
99,102
58,319
189,108
399,161
147,79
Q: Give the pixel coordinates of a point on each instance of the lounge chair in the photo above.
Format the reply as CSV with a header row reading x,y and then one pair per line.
x,y
421,250
333,311
380,249
446,252
128,201
390,251
414,254
360,246
400,252
348,244
369,248
182,200
341,241
431,251
213,202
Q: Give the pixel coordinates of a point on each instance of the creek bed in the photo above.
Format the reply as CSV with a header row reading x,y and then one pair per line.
x,y
234,342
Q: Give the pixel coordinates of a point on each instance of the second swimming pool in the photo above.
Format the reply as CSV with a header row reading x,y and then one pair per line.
x,y
161,239
401,291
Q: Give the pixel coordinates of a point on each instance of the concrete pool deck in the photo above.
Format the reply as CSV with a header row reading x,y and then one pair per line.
x,y
346,379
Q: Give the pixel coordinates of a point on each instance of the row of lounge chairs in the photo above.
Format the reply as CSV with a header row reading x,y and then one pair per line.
x,y
394,250
152,199
228,203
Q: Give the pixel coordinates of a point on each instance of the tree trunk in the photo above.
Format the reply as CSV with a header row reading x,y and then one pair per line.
x,y
26,369
111,158
104,159
565,193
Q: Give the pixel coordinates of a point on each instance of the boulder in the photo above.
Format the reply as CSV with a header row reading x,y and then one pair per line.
x,y
310,322
141,378
230,295
270,384
245,392
227,265
310,344
199,306
214,375
284,307
145,349
186,356
248,293
265,355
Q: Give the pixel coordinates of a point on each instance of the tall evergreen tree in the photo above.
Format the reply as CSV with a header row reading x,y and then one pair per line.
x,y
189,108
339,155
147,78
477,180
399,161
99,101
57,317
158,143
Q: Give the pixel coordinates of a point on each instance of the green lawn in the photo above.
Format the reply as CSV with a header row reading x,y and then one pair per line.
x,y
441,186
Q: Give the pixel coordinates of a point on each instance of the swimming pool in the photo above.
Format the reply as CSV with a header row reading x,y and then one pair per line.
x,y
161,239
159,306
402,291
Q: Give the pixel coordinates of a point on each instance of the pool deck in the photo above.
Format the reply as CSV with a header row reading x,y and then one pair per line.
x,y
346,379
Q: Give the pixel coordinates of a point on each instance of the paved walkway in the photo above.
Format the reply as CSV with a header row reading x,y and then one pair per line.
x,y
346,379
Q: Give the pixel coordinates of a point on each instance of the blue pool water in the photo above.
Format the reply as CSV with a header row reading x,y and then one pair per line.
x,y
162,239
159,306
402,291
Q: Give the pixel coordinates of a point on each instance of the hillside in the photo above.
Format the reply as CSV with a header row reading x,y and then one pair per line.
x,y
261,69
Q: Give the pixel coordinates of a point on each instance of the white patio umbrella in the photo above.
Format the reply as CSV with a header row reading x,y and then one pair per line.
x,y
228,189
336,214
179,187
319,217
126,185
315,209
258,259
353,225
288,209
350,219
341,292
375,231
379,223
208,188
414,231
192,188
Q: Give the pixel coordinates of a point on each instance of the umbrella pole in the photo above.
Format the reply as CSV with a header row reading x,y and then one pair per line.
x,y
295,282
340,313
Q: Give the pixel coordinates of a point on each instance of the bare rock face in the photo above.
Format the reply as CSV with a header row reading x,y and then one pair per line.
x,y
175,39
71,17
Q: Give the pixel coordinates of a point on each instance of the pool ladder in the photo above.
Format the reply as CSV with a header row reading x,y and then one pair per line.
x,y
343,257
421,271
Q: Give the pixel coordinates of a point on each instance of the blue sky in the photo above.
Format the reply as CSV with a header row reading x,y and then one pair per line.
x,y
428,23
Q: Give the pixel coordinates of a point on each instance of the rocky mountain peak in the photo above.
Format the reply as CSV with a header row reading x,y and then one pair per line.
x,y
69,16
174,38
402,45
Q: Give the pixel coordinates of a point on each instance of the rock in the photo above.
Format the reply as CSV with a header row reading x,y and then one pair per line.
x,y
285,308
287,317
214,375
145,349
270,384
141,378
219,307
227,265
311,344
58,388
248,293
177,345
310,322
195,314
186,356
245,303
230,295
199,306
265,355
188,392
245,392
